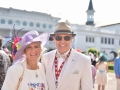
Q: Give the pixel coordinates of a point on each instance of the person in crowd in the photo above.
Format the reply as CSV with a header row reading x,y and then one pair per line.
x,y
117,70
91,56
93,73
94,60
66,69
6,50
27,73
102,69
4,64
93,68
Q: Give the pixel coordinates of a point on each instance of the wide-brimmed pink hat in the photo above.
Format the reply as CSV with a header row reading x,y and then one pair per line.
x,y
26,39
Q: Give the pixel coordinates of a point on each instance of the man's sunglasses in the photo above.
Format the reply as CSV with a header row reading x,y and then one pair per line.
x,y
59,38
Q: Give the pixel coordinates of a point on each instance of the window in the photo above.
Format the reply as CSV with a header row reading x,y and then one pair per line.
x,y
102,40
17,22
44,25
89,39
86,39
90,15
31,24
112,41
2,21
92,39
106,40
10,22
50,26
37,25
24,23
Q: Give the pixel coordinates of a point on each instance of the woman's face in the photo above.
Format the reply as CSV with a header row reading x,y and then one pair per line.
x,y
33,51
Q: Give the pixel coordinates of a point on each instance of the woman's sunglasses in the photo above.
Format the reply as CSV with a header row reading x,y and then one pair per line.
x,y
59,38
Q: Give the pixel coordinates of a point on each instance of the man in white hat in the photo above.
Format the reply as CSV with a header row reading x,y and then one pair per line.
x,y
66,69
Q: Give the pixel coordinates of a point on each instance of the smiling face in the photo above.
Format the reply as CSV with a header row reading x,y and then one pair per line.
x,y
63,42
33,51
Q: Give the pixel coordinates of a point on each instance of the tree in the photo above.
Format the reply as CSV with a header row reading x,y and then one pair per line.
x,y
93,50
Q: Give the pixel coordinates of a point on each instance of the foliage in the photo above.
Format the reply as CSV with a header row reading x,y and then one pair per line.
x,y
9,46
93,50
112,71
98,53
111,67
84,52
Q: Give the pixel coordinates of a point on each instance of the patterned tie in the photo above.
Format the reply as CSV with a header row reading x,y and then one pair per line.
x,y
60,56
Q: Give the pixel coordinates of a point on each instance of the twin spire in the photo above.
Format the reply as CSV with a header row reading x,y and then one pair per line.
x,y
90,14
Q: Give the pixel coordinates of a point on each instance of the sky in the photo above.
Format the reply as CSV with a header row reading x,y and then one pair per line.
x,y
72,10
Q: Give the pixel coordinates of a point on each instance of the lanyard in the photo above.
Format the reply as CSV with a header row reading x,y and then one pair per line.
x,y
58,71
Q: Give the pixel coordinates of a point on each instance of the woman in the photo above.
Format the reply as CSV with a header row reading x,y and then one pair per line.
x,y
102,69
27,73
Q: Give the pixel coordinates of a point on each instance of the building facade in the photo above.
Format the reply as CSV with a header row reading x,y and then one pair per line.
x,y
101,39
87,35
10,17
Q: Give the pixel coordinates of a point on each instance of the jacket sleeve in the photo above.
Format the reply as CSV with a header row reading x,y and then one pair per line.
x,y
116,66
86,80
2,69
43,61
12,78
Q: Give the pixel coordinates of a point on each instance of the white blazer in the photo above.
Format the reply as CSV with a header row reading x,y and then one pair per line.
x,y
76,76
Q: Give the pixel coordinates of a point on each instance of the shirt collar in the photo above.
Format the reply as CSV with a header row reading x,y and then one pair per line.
x,y
64,53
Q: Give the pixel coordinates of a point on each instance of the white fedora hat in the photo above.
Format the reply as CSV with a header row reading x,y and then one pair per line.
x,y
63,28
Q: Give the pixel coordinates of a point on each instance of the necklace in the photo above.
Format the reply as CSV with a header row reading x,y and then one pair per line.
x,y
35,70
39,78
36,75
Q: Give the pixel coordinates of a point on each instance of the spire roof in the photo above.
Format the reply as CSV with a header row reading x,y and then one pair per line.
x,y
90,7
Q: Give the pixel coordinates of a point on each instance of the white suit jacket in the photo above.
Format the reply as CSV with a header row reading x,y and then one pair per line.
x,y
76,76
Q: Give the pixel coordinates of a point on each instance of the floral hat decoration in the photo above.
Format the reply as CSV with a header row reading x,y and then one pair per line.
x,y
14,40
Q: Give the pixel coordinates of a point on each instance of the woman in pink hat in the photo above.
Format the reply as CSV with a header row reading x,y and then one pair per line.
x,y
27,73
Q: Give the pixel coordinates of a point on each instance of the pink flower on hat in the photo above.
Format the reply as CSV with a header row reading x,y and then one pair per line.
x,y
16,39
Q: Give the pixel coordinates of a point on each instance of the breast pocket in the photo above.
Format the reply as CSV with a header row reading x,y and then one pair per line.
x,y
74,78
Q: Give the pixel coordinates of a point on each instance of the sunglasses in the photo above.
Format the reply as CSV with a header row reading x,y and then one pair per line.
x,y
59,38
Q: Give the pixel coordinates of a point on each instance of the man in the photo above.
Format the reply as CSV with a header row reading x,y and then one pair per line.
x,y
66,69
117,70
4,64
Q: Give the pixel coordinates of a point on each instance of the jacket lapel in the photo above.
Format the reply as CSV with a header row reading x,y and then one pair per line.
x,y
68,68
50,68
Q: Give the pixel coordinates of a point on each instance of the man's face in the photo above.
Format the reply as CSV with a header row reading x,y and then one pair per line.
x,y
63,42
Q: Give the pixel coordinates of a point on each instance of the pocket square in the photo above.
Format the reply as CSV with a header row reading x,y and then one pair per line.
x,y
76,72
